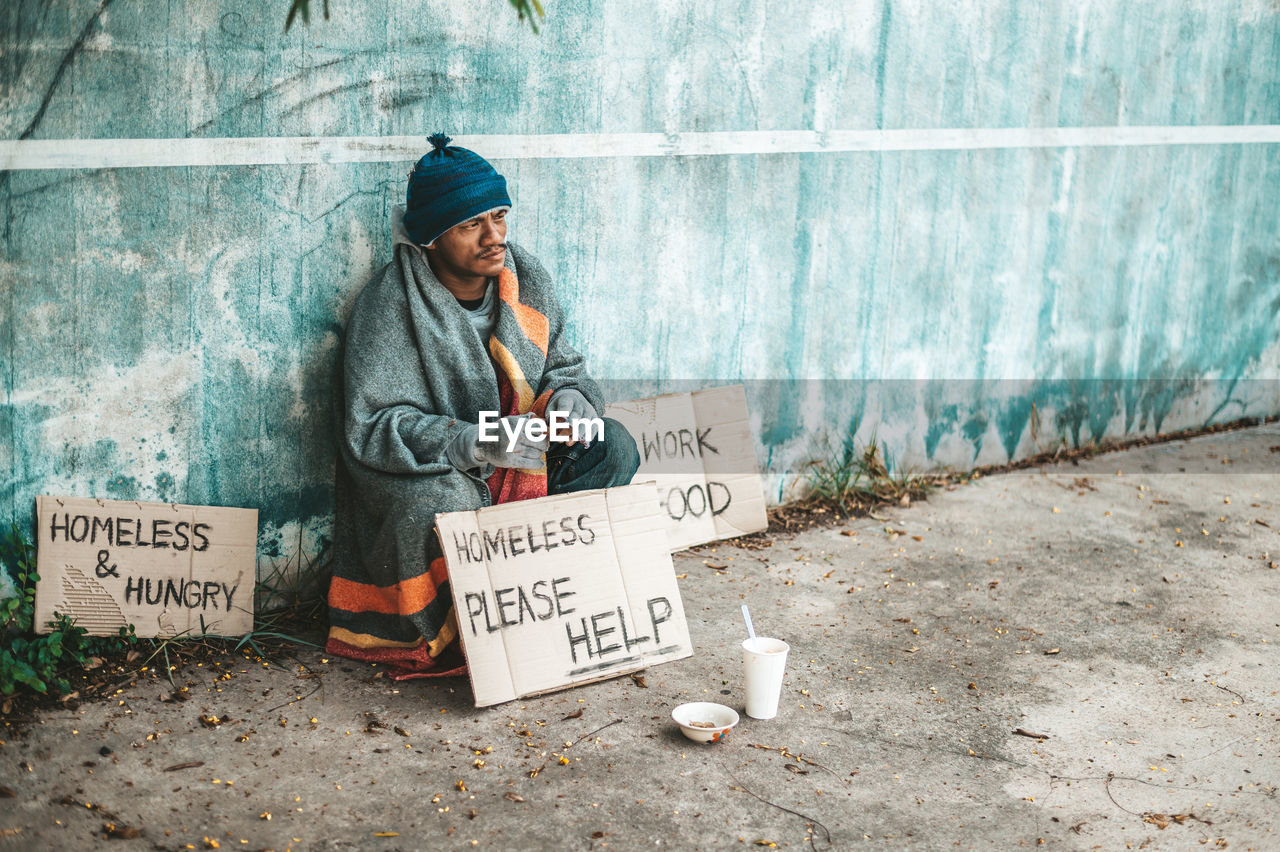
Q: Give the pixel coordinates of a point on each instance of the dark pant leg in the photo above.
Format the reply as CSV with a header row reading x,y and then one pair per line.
x,y
605,464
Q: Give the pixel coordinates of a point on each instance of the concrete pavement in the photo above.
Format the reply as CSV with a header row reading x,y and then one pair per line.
x,y
1078,656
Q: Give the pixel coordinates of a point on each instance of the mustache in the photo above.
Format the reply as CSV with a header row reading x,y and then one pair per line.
x,y
494,249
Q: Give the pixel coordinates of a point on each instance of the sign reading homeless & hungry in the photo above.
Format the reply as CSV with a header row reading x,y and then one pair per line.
x,y
698,448
162,567
563,590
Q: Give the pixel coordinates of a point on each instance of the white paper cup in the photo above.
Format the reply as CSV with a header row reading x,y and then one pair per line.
x,y
765,660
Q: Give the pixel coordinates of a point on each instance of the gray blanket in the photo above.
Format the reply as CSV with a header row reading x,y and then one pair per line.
x,y
414,373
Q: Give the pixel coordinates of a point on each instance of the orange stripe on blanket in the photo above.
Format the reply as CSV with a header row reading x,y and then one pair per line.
x,y
404,598
540,404
401,663
448,632
511,369
367,640
534,324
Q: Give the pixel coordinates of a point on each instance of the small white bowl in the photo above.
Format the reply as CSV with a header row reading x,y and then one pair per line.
x,y
714,720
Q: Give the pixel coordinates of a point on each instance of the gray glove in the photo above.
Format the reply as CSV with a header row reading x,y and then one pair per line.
x,y
574,404
467,451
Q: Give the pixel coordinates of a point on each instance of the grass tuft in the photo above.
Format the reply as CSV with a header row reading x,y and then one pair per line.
x,y
39,663
854,480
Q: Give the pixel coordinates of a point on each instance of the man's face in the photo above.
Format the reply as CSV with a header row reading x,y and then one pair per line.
x,y
475,248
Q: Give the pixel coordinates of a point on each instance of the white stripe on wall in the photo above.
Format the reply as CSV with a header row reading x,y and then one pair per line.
x,y
298,150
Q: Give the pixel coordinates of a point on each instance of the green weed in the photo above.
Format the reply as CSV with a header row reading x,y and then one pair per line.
x,y
290,597
293,585
35,662
852,479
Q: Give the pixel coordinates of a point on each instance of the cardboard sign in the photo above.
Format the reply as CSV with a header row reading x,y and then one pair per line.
x,y
698,449
563,590
164,568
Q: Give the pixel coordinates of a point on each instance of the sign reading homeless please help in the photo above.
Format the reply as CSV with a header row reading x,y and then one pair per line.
x,y
698,448
165,568
562,590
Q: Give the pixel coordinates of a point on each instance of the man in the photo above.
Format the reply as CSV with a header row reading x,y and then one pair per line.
x,y
461,324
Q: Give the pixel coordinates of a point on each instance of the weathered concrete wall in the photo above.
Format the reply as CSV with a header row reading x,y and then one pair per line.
x,y
170,333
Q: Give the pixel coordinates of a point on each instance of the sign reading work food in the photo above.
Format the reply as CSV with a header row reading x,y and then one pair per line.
x,y
164,568
698,449
563,590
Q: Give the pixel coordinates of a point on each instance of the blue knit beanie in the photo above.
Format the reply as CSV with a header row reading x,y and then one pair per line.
x,y
448,186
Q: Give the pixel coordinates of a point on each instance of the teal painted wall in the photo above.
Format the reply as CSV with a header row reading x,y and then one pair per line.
x,y
170,333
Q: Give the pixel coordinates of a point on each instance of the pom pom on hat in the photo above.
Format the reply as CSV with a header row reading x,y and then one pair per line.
x,y
448,186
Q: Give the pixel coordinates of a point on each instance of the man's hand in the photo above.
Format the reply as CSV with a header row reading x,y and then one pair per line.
x,y
468,451
574,405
